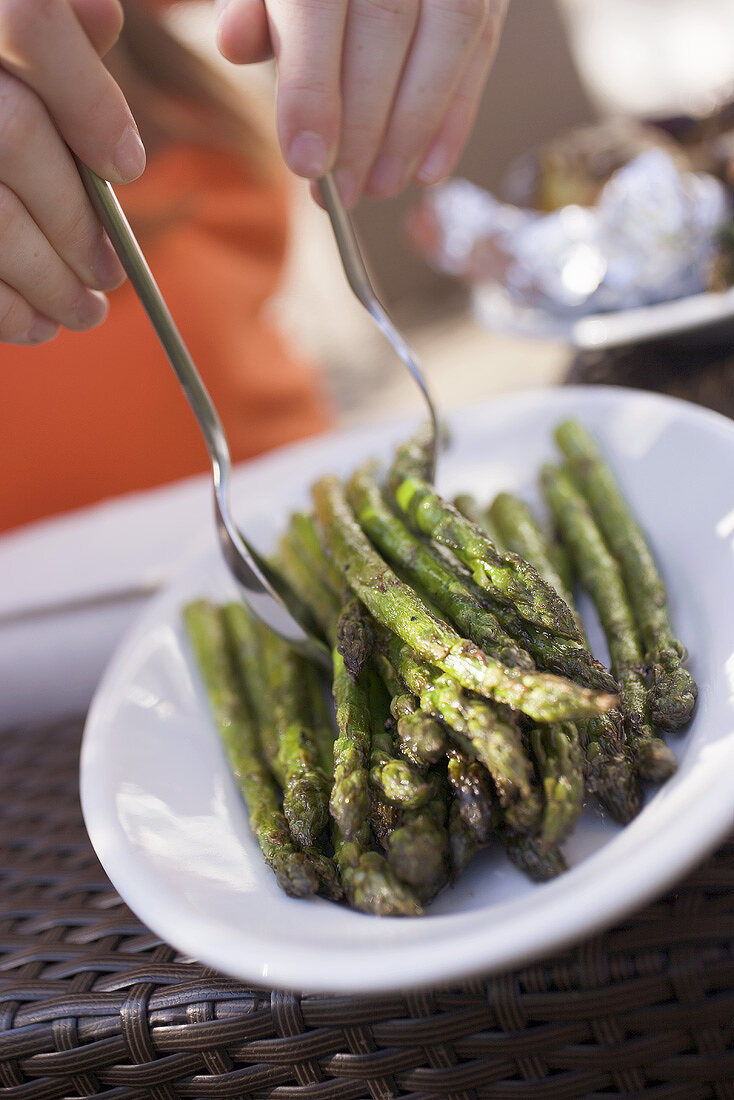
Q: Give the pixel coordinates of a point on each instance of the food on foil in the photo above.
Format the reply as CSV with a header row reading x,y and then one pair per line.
x,y
603,233
468,708
571,170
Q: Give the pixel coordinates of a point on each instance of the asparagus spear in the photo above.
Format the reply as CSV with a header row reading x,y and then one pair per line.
x,y
554,653
394,778
305,787
601,577
355,638
249,641
550,652
673,690
383,816
323,730
352,748
469,508
561,560
421,737
293,870
418,849
426,569
473,795
393,603
369,881
322,602
539,861
462,843
520,533
475,727
349,795
506,576
555,551
413,458
326,871
305,539
559,759
610,775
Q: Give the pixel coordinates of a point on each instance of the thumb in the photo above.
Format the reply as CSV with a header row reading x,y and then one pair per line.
x,y
243,33
102,22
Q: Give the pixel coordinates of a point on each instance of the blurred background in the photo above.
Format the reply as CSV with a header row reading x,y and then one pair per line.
x,y
561,64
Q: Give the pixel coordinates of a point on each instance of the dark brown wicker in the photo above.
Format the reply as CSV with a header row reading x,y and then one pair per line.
x,y
704,375
92,1004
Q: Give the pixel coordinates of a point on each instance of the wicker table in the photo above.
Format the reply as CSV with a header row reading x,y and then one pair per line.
x,y
92,1004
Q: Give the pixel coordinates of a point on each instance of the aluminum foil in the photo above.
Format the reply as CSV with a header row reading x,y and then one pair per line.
x,y
649,238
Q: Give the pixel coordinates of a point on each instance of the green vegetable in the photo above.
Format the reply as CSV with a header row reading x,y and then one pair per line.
x,y
349,795
521,534
600,576
425,569
507,577
293,870
559,760
394,604
418,849
673,690
369,881
473,795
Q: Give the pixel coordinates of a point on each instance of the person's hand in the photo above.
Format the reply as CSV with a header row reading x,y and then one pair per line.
x,y
379,91
56,95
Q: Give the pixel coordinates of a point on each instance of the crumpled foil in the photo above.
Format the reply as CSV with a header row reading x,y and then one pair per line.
x,y
651,237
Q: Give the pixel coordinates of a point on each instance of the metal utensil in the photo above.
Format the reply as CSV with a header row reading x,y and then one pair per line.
x,y
359,280
263,589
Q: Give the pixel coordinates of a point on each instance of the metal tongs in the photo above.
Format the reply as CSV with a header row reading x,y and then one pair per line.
x,y
261,587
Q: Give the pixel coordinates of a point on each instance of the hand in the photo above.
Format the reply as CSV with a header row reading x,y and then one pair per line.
x,y
55,94
379,91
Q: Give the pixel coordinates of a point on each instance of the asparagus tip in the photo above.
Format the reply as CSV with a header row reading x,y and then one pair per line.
x,y
296,875
672,697
305,808
375,888
655,760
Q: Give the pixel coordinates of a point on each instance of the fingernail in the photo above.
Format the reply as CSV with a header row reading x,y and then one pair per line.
x,y
129,156
434,165
41,330
387,176
221,6
308,155
107,269
347,187
91,308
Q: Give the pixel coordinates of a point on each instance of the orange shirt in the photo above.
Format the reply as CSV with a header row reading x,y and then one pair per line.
x,y
95,414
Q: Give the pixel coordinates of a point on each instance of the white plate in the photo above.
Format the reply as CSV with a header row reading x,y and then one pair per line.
x,y
172,833
700,318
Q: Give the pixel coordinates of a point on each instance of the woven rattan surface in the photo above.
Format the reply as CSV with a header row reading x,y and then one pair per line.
x,y
92,1004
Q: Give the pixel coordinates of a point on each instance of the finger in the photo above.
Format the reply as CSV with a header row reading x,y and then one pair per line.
x,y
377,40
316,194
243,34
29,265
44,45
101,20
453,134
447,34
62,212
19,322
308,39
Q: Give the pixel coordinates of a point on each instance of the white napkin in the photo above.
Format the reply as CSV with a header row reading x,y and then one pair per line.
x,y
71,586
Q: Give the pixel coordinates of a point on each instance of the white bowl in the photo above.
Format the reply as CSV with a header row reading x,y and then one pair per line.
x,y
171,830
